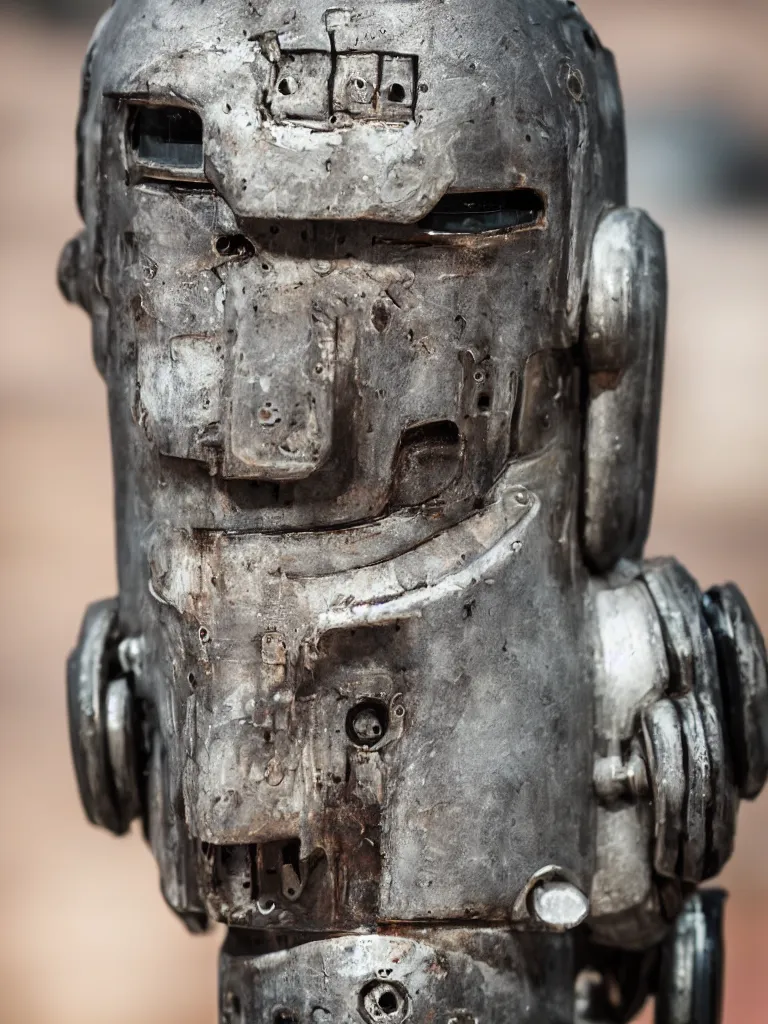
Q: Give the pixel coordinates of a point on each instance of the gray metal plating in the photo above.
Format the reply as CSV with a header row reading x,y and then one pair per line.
x,y
387,679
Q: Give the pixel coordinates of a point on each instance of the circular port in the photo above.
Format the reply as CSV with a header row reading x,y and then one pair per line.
x,y
384,1002
367,723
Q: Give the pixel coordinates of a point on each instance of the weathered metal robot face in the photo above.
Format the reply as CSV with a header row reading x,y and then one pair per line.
x,y
340,234
383,348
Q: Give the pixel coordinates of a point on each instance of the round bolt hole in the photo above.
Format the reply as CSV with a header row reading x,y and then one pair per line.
x,y
234,245
576,84
287,86
367,722
396,93
384,1002
388,1002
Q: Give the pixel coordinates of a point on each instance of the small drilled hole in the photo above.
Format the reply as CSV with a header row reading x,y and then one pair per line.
x,y
234,245
287,86
388,1002
396,93
576,84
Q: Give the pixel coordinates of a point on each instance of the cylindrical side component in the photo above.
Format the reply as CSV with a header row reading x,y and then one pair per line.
x,y
691,976
624,326
101,727
743,668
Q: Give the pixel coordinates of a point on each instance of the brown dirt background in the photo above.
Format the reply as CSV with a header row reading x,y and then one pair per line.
x,y
85,936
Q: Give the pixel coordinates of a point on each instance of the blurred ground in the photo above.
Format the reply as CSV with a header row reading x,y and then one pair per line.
x,y
86,937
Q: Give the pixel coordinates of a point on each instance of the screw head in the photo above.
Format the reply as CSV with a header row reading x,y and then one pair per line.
x,y
559,905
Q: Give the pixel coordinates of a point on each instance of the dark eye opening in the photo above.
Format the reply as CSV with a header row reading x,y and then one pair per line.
x,y
470,213
167,138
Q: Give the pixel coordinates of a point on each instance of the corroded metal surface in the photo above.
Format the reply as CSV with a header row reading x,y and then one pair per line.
x,y
386,678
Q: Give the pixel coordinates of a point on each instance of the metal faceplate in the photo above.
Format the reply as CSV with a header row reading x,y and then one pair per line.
x,y
374,324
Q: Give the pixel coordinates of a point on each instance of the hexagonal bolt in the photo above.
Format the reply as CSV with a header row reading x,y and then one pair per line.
x,y
615,779
558,905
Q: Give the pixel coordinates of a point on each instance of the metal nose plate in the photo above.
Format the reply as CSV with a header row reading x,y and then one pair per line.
x,y
279,410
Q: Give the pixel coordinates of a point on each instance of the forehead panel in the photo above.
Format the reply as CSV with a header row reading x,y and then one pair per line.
x,y
312,112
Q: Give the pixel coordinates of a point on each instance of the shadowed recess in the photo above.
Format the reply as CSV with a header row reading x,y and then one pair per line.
x,y
468,213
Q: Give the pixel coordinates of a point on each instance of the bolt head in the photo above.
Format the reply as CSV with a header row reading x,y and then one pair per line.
x,y
559,905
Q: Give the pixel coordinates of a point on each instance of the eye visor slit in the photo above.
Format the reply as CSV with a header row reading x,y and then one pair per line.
x,y
472,213
165,143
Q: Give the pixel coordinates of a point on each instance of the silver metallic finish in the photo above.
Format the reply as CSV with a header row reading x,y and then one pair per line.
x,y
451,974
559,905
100,723
624,325
743,665
387,679
122,746
691,964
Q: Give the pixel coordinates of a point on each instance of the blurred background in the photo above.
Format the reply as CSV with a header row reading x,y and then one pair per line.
x,y
86,937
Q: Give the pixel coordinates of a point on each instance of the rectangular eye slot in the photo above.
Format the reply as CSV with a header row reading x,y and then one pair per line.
x,y
471,213
166,139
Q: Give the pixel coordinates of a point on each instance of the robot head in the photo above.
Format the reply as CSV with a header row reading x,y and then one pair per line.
x,y
383,346
338,258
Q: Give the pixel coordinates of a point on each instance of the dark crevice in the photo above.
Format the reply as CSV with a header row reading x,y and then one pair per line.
x,y
171,137
234,245
443,432
478,212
